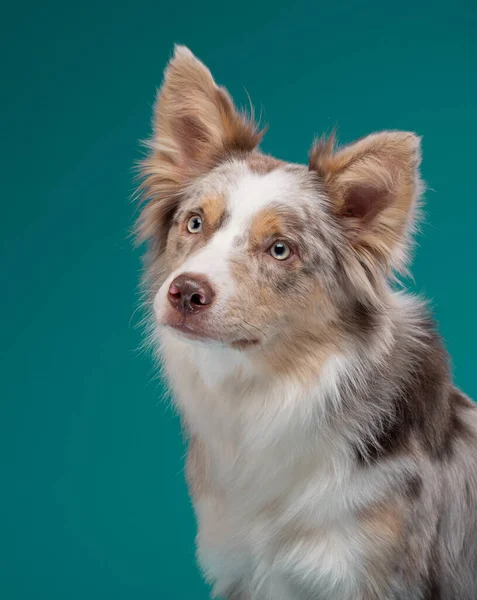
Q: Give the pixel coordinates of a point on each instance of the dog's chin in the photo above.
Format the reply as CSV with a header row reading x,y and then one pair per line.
x,y
194,333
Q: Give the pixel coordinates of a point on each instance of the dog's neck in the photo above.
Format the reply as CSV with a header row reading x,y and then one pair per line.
x,y
226,394
220,390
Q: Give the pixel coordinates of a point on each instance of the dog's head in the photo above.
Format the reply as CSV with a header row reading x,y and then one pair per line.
x,y
250,251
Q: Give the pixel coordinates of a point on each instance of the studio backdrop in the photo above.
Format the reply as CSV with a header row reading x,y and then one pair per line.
x,y
93,502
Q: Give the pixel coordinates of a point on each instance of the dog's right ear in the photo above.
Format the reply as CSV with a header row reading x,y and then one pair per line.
x,y
195,124
374,187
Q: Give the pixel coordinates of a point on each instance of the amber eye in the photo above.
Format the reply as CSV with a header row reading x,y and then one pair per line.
x,y
194,224
280,250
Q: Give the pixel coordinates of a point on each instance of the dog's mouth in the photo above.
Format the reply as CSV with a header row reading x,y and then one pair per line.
x,y
197,333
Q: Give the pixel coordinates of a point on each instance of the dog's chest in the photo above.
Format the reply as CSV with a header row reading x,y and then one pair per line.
x,y
271,557
274,518
279,532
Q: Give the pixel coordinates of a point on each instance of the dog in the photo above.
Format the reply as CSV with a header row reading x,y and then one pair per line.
x,y
330,456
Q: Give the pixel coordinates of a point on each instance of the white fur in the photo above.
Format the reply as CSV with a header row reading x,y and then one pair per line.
x,y
255,458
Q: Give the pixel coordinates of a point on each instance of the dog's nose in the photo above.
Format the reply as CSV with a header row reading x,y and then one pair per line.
x,y
190,293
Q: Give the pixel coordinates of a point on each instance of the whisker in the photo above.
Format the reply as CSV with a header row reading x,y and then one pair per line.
x,y
141,306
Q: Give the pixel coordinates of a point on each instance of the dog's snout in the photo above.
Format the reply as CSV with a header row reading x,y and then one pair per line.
x,y
190,293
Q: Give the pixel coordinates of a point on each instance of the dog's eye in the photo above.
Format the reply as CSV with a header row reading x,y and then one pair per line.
x,y
194,224
280,250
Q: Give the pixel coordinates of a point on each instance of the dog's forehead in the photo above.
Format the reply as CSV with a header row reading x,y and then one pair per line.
x,y
252,192
247,192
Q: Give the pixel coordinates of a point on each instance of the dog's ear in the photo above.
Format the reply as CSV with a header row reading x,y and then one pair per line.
x,y
374,186
195,124
195,120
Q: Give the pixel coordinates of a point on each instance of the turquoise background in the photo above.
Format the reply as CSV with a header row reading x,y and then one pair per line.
x,y
93,503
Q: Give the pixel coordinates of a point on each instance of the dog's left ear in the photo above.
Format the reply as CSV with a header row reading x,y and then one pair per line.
x,y
374,186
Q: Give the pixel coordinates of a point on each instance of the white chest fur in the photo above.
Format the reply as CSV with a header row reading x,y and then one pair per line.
x,y
277,515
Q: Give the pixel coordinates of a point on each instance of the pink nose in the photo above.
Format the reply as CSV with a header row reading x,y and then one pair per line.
x,y
189,293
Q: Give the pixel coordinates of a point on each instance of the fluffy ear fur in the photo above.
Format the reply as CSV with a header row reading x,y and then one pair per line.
x,y
374,186
195,125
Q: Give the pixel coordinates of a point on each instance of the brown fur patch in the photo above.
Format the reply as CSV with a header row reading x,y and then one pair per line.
x,y
277,221
214,210
382,521
383,525
266,225
302,356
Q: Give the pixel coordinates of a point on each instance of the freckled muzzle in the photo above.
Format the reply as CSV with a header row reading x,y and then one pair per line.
x,y
184,307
